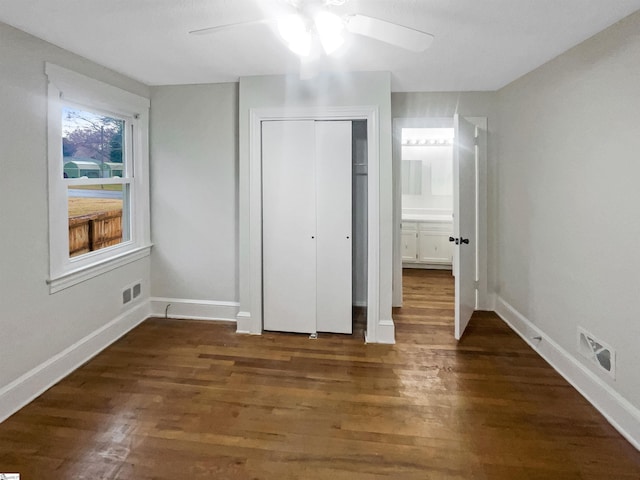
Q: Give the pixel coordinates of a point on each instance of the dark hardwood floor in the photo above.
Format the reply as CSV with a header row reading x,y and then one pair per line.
x,y
186,399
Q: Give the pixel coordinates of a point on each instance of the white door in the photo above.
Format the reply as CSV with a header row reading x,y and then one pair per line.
x,y
464,222
289,226
306,215
334,220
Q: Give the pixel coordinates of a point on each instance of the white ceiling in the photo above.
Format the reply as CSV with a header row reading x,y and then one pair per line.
x,y
479,44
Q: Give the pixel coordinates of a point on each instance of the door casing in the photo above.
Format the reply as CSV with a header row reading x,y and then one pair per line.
x,y
483,297
378,330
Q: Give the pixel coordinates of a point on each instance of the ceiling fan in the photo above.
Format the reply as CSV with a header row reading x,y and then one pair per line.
x,y
310,19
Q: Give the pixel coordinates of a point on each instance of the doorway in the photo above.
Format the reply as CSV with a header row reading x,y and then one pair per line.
x,y
314,225
440,205
426,166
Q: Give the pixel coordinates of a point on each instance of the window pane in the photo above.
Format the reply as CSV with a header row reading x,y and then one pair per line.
x,y
92,144
98,217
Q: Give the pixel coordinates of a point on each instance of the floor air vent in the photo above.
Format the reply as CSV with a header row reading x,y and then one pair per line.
x,y
597,352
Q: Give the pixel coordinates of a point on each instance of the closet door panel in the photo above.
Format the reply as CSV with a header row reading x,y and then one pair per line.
x,y
289,226
334,223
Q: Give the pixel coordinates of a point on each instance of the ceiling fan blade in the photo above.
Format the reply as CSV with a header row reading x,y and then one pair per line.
x,y
389,32
219,28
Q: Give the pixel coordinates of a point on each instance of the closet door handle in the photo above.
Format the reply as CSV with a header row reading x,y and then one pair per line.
x,y
464,240
457,240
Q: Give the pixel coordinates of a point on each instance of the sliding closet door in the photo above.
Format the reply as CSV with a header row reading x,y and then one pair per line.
x,y
289,226
334,220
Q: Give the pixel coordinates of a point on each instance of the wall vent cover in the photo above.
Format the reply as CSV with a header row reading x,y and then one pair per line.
x,y
598,352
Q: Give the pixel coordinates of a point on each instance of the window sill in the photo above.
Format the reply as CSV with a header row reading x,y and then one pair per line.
x,y
82,274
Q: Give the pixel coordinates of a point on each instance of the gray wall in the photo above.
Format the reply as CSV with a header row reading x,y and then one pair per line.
x,y
194,156
194,213
194,198
34,325
568,196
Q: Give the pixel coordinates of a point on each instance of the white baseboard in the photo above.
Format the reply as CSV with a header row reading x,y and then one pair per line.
x,y
246,325
24,389
183,308
428,266
618,411
385,333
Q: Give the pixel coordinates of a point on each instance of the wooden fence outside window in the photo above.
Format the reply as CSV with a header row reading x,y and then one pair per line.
x,y
94,231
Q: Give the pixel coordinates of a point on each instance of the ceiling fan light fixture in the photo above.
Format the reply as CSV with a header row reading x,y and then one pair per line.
x,y
302,45
294,32
329,27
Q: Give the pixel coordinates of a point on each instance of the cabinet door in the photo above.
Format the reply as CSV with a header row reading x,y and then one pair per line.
x,y
434,248
289,226
409,246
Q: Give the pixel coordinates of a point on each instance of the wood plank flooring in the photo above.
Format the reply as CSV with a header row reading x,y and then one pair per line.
x,y
186,399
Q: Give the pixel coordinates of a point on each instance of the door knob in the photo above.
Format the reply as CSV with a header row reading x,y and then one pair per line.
x,y
451,239
464,240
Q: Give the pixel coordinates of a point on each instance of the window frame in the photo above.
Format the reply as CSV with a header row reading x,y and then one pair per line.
x,y
68,88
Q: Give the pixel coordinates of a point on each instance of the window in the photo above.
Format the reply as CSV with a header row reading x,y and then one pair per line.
x,y
98,182
96,170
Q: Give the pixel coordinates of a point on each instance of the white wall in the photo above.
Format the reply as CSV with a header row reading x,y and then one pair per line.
x,y
194,195
361,89
568,219
34,325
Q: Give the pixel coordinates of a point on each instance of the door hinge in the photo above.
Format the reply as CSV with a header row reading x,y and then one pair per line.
x,y
476,141
476,284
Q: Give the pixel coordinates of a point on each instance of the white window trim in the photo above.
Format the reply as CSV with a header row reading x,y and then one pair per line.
x,y
68,86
